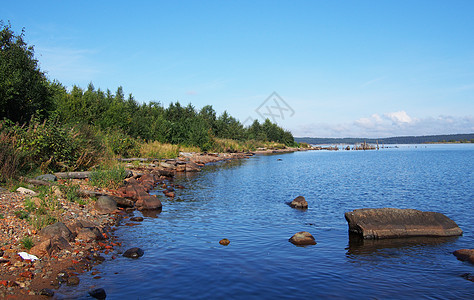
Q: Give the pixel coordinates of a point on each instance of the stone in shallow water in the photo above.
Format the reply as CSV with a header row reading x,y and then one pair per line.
x,y
73,280
302,238
224,242
98,293
47,292
299,202
385,223
134,252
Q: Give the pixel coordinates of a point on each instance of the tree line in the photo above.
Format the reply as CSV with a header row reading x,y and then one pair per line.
x,y
25,91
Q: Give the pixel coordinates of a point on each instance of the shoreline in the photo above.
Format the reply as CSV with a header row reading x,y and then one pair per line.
x,y
61,262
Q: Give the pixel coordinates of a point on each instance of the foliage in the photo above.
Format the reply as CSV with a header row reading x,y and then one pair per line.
x,y
108,178
27,242
48,145
122,144
24,89
10,155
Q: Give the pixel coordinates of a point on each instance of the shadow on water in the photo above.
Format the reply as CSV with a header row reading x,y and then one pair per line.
x,y
360,247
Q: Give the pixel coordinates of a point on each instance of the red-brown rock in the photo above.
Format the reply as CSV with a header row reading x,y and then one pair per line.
x,y
148,202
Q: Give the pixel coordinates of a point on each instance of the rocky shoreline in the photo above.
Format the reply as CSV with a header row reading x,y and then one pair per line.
x,y
84,234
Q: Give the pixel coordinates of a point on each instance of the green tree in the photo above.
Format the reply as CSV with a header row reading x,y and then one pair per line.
x,y
24,88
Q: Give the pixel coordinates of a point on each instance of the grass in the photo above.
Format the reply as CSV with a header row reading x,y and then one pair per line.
x,y
160,150
71,193
108,178
27,242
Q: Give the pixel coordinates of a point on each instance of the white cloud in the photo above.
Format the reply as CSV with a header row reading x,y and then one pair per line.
x,y
390,124
399,117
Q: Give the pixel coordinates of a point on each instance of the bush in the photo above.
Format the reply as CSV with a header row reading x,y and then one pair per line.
x,y
122,145
51,146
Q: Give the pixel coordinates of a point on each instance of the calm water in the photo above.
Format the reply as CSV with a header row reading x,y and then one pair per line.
x,y
244,201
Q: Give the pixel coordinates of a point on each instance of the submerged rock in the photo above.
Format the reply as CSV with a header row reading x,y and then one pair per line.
x,y
98,293
384,223
299,202
134,252
46,292
302,238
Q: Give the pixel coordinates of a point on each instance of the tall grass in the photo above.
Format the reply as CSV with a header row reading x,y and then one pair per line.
x,y
10,156
162,150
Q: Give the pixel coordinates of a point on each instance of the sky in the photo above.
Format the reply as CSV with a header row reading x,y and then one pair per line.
x,y
317,68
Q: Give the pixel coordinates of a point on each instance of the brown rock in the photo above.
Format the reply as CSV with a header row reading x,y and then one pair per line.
x,y
105,205
299,202
148,202
383,223
42,249
122,202
465,255
302,238
88,234
192,167
78,224
57,230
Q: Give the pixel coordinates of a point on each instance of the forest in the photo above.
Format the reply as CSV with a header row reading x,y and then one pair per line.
x,y
44,125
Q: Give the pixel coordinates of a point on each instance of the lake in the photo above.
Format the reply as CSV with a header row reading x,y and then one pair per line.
x,y
245,202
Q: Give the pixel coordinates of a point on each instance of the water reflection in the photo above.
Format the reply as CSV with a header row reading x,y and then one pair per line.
x,y
151,213
360,247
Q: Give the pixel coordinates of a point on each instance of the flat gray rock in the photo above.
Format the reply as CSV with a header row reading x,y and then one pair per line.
x,y
386,223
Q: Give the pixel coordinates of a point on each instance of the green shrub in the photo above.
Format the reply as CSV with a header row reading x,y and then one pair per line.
x,y
122,145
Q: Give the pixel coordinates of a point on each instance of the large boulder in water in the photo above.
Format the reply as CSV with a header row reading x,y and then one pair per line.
x,y
299,202
385,223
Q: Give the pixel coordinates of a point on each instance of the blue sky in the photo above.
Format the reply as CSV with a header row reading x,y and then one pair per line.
x,y
340,68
